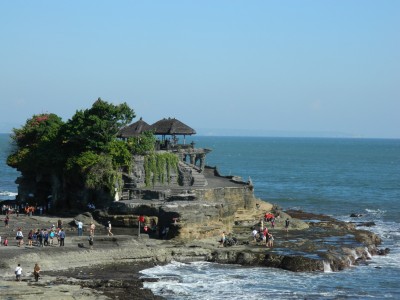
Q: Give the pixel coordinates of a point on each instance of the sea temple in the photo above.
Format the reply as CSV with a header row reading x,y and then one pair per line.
x,y
181,194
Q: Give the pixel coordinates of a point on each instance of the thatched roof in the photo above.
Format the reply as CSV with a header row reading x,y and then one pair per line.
x,y
135,129
171,127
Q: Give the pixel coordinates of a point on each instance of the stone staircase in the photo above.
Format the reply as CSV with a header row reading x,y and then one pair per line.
x,y
192,176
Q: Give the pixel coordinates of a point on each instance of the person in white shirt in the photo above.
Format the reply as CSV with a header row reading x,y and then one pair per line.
x,y
109,229
80,227
255,233
18,272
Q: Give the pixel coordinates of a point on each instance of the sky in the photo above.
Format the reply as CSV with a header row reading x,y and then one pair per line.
x,y
289,68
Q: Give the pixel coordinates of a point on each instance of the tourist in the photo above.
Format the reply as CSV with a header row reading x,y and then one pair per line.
x,y
5,243
59,223
255,234
90,239
265,234
223,238
40,236
270,242
62,237
80,227
36,271
51,236
46,237
92,228
287,222
109,229
19,237
6,221
30,237
18,272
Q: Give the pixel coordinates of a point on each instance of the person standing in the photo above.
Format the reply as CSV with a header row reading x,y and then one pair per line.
x,y
254,233
270,242
36,271
90,239
6,221
287,223
223,238
80,227
109,229
265,234
62,237
19,237
30,237
18,272
92,228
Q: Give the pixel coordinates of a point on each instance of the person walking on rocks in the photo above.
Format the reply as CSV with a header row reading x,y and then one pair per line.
x,y
18,272
36,271
30,237
287,223
92,228
19,237
254,233
270,242
62,237
6,221
109,229
90,239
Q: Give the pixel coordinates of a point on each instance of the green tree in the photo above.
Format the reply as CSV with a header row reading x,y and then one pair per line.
x,y
96,170
93,129
142,144
37,144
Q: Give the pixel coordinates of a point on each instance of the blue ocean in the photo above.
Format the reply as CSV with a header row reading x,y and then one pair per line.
x,y
336,177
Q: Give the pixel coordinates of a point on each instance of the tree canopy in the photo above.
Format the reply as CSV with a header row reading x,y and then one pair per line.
x,y
93,129
85,147
36,143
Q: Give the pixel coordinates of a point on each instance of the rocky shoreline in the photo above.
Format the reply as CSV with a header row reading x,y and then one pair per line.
x,y
111,269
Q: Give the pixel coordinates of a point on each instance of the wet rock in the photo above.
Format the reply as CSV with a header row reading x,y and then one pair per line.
x,y
353,215
366,224
385,251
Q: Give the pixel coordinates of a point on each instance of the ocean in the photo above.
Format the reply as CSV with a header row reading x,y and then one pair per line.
x,y
336,177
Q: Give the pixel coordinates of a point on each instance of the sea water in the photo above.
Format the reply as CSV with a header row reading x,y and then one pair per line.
x,y
337,177
8,188
331,176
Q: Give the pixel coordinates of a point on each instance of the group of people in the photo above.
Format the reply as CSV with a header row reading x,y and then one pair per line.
x,y
263,234
42,237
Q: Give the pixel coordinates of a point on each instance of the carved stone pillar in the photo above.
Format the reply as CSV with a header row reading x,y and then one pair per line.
x,y
202,161
192,159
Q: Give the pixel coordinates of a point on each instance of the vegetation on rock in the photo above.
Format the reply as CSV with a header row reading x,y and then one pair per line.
x,y
83,152
159,166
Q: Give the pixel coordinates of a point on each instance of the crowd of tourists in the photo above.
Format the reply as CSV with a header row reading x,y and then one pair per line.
x,y
264,235
53,236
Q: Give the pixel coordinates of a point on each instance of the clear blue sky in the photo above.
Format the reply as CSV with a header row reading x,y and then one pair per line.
x,y
265,67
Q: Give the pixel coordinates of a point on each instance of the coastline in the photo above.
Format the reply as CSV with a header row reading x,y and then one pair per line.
x,y
112,268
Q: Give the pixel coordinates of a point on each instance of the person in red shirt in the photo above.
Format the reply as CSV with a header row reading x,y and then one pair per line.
x,y
265,234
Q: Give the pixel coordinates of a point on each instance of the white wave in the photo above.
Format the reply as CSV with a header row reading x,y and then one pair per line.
x,y
8,194
327,267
